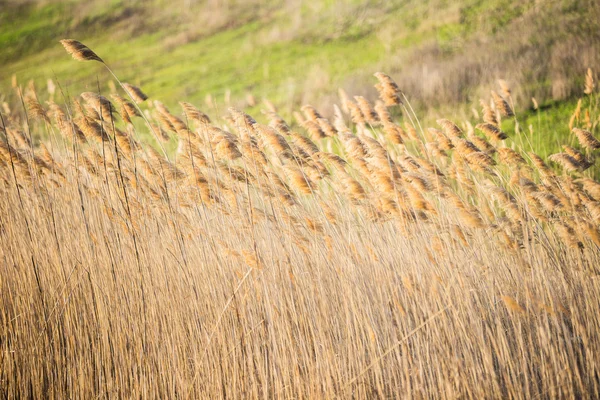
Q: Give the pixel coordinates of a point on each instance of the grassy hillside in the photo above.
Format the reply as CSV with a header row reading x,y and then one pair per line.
x,y
446,55
440,51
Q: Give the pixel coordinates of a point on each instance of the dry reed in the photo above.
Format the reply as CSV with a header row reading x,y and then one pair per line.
x,y
309,260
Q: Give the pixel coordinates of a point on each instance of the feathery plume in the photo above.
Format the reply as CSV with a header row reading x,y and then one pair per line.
x,y
135,93
444,142
299,180
584,163
35,108
489,116
591,187
310,112
194,114
356,114
502,105
450,128
510,157
103,107
79,51
126,109
568,163
586,139
388,90
277,122
367,110
491,131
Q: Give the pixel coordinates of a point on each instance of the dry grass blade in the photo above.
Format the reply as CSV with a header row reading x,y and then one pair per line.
x,y
394,347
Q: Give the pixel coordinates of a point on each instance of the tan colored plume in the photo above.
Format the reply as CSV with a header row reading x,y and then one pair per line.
x,y
79,51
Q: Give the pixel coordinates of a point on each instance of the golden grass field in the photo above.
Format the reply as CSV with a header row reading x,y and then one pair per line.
x,y
357,256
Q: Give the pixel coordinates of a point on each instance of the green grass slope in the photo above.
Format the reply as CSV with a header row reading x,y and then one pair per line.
x,y
442,53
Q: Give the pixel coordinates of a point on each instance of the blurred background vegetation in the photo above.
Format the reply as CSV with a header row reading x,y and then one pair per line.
x,y
441,52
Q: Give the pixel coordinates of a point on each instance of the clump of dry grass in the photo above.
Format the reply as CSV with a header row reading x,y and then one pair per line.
x,y
292,260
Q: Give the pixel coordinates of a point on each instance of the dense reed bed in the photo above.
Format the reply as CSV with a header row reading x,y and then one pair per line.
x,y
356,256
